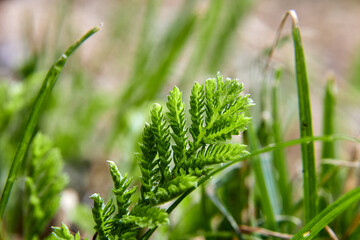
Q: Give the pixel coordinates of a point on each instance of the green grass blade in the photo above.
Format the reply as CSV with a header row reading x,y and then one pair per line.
x,y
257,152
310,230
279,155
329,175
44,92
328,149
305,119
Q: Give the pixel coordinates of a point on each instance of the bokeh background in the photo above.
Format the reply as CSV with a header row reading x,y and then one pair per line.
x,y
145,47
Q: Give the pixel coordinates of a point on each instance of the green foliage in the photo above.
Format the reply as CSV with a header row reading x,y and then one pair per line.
x,y
117,221
217,112
63,233
169,161
44,183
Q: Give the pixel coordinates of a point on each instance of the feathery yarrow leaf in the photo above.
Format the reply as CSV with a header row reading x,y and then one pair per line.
x,y
147,216
171,162
161,134
176,118
63,233
102,216
197,110
217,112
120,190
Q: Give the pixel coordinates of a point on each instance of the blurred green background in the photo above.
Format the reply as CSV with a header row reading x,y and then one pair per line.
x,y
98,108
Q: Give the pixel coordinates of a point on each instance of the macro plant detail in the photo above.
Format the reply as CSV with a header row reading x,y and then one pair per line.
x,y
189,178
170,161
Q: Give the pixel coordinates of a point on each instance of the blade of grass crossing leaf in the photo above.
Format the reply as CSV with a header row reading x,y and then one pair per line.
x,y
257,152
310,230
44,92
278,154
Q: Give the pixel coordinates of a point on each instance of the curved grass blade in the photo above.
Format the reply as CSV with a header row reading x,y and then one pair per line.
x,y
269,148
44,92
305,118
310,230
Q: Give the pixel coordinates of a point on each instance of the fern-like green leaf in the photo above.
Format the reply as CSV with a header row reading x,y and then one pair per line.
x,y
176,116
162,139
120,190
147,162
102,216
147,216
170,161
197,110
217,112
43,185
225,109
63,233
218,153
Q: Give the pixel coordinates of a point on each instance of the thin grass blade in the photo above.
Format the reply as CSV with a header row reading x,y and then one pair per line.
x,y
305,119
328,148
310,230
331,178
279,155
44,92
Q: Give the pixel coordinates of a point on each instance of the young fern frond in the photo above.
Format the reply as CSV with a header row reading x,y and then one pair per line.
x,y
217,112
117,221
161,134
176,116
147,162
120,190
102,216
146,216
197,110
63,233
171,162
218,153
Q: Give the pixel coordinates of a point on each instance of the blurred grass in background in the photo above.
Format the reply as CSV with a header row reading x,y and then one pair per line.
x,y
97,110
